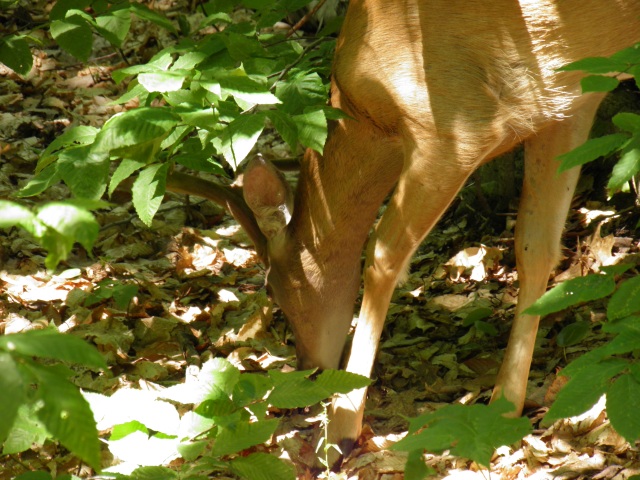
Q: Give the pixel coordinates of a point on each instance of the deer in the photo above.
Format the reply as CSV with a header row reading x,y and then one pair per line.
x,y
433,89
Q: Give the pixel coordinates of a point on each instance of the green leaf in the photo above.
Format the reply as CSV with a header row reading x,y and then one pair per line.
x,y
301,90
249,90
626,300
162,81
12,393
470,431
294,390
74,36
67,415
242,435
40,182
624,419
597,65
61,7
239,137
598,83
573,334
79,135
13,214
250,388
142,126
572,292
312,129
145,13
261,466
627,166
114,27
590,150
153,473
340,381
285,126
148,191
124,170
84,172
57,346
74,223
416,468
123,429
16,54
627,121
27,431
584,389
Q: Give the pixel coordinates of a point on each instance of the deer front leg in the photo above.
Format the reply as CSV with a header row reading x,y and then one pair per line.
x,y
422,194
545,201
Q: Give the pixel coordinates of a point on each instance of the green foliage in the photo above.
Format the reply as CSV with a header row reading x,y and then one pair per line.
x,y
55,225
627,142
107,289
205,102
232,416
55,408
470,431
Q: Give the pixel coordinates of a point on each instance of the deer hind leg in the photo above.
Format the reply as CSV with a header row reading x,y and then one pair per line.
x,y
544,204
424,191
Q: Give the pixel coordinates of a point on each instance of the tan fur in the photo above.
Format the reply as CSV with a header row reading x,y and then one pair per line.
x,y
435,89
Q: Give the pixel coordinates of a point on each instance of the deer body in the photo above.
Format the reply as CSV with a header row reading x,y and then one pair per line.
x,y
435,89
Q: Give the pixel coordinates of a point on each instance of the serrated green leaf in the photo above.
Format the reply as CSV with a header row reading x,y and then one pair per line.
x,y
13,214
148,191
340,381
123,429
584,389
598,83
285,126
471,431
250,388
114,27
626,300
67,415
301,90
40,182
239,137
74,36
312,129
124,170
590,150
141,126
56,346
627,166
12,393
242,435
296,393
79,135
573,334
16,54
624,419
572,292
261,466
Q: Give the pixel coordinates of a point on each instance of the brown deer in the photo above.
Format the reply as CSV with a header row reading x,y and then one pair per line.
x,y
434,89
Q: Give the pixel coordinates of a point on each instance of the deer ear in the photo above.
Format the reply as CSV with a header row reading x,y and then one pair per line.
x,y
268,196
